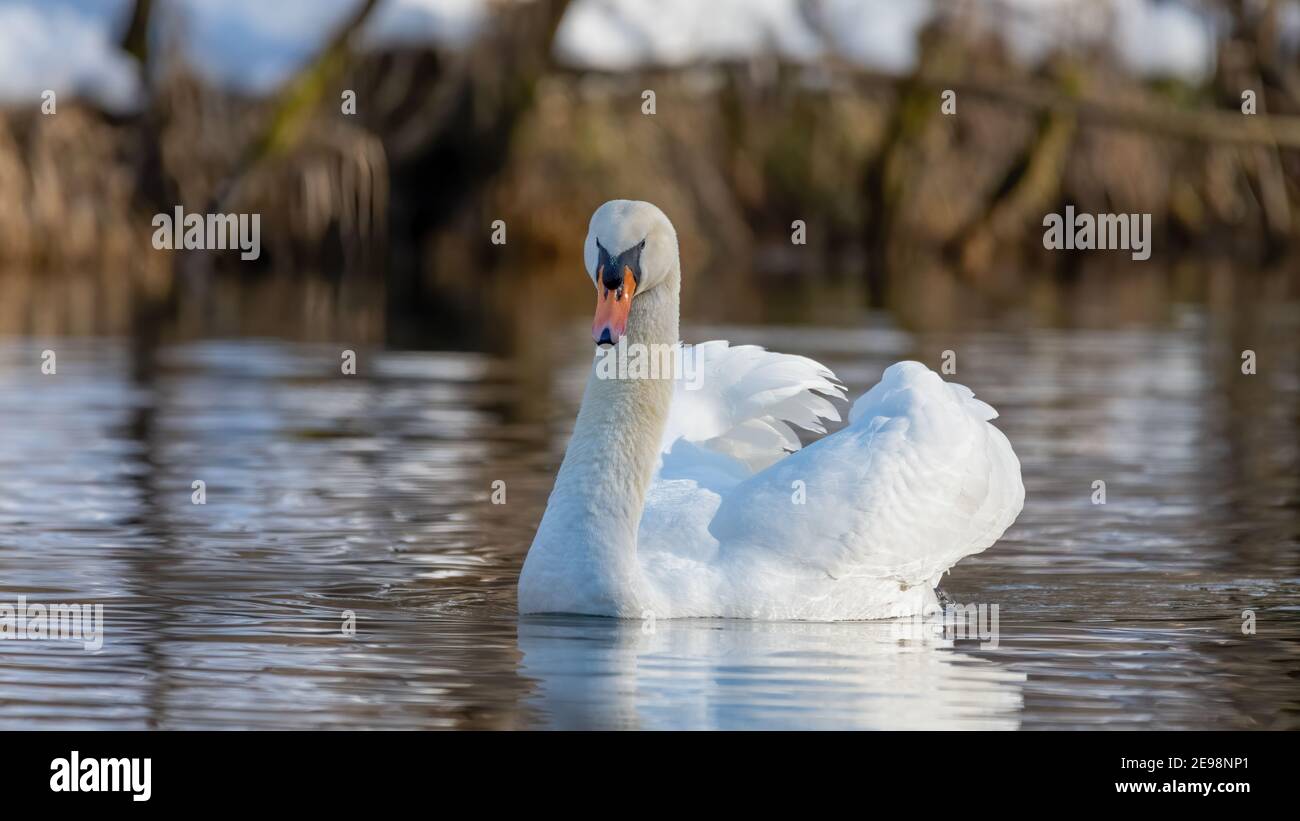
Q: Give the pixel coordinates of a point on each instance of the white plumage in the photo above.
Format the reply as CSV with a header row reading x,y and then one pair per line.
x,y
731,517
746,400
859,525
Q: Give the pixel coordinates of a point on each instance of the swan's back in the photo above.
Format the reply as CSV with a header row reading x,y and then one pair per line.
x,y
916,481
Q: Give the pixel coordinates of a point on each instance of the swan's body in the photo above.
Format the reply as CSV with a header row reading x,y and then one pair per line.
x,y
673,502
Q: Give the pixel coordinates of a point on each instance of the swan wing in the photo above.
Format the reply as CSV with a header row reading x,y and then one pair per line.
x,y
732,413
917,480
742,400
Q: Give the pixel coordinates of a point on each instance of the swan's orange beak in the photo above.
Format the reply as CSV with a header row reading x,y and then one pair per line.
x,y
612,308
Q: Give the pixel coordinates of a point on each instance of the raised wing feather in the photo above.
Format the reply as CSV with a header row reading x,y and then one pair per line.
x,y
741,401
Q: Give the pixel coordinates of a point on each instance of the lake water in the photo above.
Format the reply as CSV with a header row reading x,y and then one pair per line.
x,y
370,494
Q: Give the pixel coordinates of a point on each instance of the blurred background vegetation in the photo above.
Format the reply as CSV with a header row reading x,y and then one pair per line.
x,y
376,226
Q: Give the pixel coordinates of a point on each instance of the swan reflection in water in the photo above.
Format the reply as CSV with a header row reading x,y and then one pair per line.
x,y
595,673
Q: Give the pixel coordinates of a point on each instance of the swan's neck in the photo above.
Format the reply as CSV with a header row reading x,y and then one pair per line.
x,y
585,547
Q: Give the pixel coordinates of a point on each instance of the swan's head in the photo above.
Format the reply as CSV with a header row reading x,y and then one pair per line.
x,y
631,248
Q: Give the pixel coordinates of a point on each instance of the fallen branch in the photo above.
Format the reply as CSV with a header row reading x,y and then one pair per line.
x,y
1214,125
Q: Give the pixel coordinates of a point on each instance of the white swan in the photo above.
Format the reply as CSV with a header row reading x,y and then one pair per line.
x,y
672,502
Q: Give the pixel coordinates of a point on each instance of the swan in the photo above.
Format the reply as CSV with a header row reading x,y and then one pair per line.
x,y
681,498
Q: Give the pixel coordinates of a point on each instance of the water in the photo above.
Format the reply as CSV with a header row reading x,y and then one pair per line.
x,y
370,495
